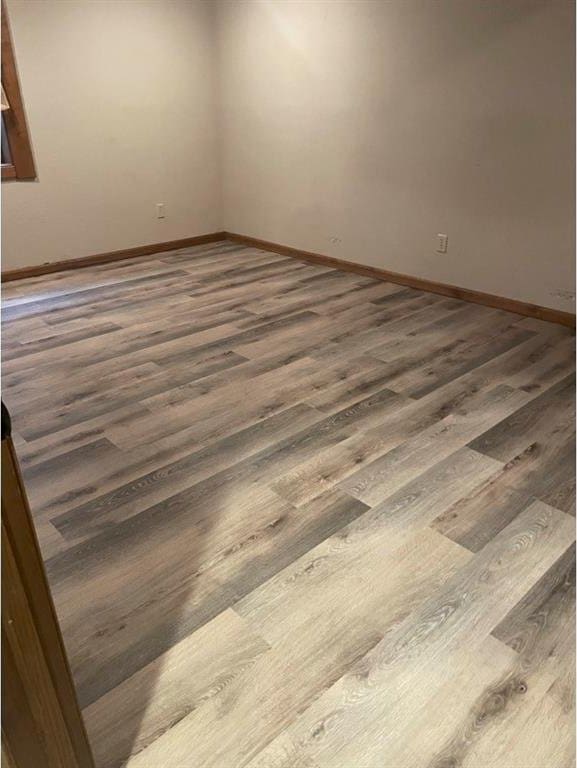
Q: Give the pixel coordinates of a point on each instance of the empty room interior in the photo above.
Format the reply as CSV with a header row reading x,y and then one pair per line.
x,y
288,448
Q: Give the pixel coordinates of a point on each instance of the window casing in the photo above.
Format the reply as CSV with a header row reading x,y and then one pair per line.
x,y
17,158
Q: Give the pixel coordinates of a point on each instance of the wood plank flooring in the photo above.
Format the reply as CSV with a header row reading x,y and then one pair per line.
x,y
299,518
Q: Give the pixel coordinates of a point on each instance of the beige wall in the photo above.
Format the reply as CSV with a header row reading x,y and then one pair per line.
x,y
362,129
355,128
120,99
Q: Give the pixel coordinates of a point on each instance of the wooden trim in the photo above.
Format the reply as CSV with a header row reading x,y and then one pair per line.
x,y
15,117
41,720
466,294
8,171
7,758
104,258
445,289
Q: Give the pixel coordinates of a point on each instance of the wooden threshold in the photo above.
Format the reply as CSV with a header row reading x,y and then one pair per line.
x,y
103,258
466,294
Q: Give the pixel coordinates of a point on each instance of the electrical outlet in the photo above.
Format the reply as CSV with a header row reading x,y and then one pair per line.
x,y
335,239
160,210
442,243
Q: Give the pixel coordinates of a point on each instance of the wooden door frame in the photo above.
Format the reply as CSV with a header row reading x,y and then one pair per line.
x,y
41,720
